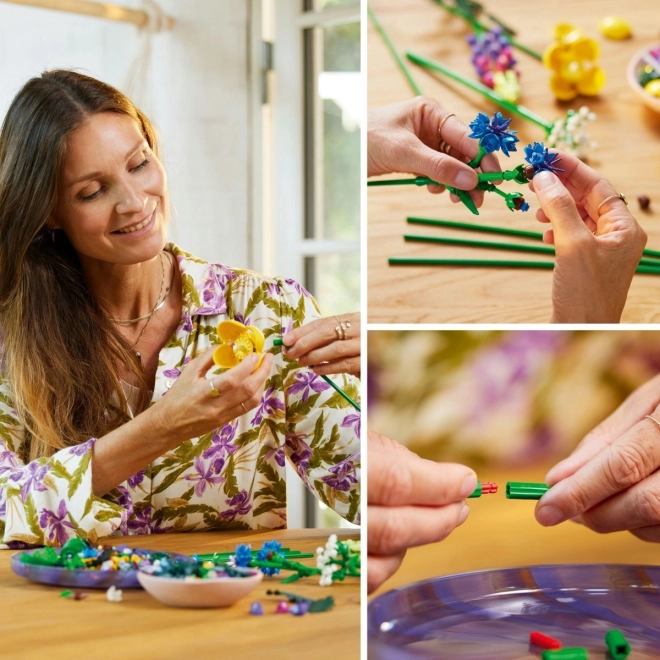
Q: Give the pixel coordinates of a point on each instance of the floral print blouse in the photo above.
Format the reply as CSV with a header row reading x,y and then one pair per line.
x,y
231,478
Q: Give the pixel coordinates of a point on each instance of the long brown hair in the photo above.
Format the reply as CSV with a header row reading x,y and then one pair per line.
x,y
59,350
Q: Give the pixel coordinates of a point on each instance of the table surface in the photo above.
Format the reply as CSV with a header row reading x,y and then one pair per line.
x,y
35,622
626,131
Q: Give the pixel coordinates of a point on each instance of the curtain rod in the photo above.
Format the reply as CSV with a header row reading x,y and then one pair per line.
x,y
99,10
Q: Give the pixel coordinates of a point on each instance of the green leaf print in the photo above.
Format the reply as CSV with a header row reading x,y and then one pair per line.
x,y
189,290
79,473
247,437
231,485
354,500
268,506
57,469
171,478
258,295
31,516
104,516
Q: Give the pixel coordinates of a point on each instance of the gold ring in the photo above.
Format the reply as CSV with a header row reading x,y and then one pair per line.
x,y
344,325
214,392
339,331
243,406
620,196
654,419
442,123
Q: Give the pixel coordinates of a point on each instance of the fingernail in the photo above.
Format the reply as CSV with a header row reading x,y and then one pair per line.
x,y
465,512
549,516
469,486
544,180
466,180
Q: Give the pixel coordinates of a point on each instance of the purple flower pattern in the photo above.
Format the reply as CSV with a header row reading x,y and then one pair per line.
x,y
306,381
54,524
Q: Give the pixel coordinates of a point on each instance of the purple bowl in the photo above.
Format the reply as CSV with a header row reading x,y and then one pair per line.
x,y
489,614
80,577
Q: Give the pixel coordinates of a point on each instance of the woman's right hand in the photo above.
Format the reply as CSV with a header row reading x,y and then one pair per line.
x,y
189,409
597,250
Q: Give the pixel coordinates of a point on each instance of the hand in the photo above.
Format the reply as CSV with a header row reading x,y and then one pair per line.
x,y
412,501
609,483
597,251
404,137
317,345
189,410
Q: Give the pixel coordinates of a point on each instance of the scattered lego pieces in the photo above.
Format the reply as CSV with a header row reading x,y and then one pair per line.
x,y
615,27
299,609
114,595
617,644
257,608
282,607
644,202
574,653
544,641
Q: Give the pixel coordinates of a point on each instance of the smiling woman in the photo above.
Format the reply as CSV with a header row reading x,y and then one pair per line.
x,y
101,318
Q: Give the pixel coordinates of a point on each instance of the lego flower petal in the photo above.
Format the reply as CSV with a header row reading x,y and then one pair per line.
x,y
258,338
229,330
562,89
237,342
586,49
224,356
592,82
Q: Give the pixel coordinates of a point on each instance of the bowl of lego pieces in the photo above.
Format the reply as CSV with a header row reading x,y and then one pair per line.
x,y
190,582
644,76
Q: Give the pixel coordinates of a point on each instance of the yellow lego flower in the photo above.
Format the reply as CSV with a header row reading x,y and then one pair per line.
x,y
573,60
237,342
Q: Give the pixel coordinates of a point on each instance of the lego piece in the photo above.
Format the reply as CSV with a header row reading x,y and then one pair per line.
x,y
484,488
113,594
644,202
615,28
282,607
299,609
544,641
257,608
617,644
520,490
573,653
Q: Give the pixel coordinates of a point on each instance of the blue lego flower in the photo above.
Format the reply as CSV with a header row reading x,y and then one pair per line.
x,y
243,555
524,207
493,134
267,552
540,159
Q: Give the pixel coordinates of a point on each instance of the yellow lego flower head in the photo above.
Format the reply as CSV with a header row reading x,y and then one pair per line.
x,y
237,342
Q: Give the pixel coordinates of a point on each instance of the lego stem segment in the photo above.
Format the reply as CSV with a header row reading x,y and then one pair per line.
x,y
520,490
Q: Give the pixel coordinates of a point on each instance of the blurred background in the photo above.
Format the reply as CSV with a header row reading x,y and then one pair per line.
x,y
258,105
502,398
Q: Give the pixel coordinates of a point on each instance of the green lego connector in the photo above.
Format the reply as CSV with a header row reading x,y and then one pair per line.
x,y
574,653
519,490
617,644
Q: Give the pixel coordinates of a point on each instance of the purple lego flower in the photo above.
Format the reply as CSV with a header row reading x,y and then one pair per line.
x,y
206,476
354,421
239,505
343,475
305,381
268,405
54,524
32,476
493,134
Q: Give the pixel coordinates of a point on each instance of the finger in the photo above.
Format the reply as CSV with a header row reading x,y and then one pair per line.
x,y
541,216
319,333
380,569
349,366
651,534
439,167
456,133
635,408
636,507
549,237
240,382
245,406
337,350
628,460
558,205
201,363
393,529
399,477
436,190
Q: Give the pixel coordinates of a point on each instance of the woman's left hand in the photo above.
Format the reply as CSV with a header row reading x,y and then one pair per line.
x,y
319,345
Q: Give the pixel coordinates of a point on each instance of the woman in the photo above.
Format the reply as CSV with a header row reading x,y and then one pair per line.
x,y
113,417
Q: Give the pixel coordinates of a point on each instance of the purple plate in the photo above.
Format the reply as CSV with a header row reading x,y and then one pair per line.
x,y
79,577
489,614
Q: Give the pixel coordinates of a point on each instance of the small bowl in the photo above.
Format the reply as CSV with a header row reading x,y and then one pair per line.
x,y
214,592
634,69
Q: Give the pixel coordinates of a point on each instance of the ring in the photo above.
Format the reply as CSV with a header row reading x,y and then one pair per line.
x,y
214,392
244,408
442,123
654,419
344,325
620,196
444,147
340,331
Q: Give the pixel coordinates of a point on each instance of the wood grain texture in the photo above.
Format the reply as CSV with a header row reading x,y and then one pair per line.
x,y
501,533
36,623
627,133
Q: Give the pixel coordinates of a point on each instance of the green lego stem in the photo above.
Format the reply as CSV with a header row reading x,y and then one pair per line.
x,y
393,51
520,490
573,653
477,159
417,181
617,644
519,110
465,198
278,342
477,491
506,175
478,263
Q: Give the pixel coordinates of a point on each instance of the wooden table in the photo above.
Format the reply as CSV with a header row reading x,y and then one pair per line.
x,y
501,533
626,131
36,623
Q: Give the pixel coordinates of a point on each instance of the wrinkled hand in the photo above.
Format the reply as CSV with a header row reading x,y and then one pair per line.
x,y
610,482
596,254
412,501
317,345
189,410
404,137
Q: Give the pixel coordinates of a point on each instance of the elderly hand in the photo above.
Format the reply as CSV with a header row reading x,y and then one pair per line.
x,y
610,482
411,501
407,137
319,345
597,249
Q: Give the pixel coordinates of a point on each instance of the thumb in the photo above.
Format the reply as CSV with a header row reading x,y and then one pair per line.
x,y
201,363
559,206
441,168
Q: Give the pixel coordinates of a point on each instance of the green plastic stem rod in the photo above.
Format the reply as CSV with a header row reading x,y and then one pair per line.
x,y
417,181
574,653
278,342
401,63
490,229
487,263
490,94
617,644
520,490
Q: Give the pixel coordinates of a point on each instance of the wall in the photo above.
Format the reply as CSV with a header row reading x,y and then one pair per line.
x,y
198,95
